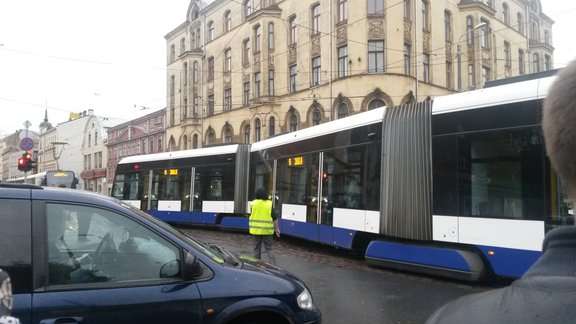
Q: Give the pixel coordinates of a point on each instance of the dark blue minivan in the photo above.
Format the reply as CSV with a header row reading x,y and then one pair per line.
x,y
78,257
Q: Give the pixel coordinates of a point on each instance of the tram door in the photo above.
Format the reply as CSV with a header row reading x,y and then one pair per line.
x,y
297,189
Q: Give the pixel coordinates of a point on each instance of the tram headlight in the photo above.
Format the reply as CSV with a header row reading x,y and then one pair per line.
x,y
305,300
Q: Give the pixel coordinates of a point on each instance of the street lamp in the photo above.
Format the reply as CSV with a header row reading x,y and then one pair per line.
x,y
459,53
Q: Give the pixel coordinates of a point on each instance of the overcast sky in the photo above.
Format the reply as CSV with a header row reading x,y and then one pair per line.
x,y
110,56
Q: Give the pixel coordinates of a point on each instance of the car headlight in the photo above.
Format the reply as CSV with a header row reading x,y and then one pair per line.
x,y
305,300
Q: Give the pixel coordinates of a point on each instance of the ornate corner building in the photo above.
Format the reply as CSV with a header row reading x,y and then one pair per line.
x,y
239,71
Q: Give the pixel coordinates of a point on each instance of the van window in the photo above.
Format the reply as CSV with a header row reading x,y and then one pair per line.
x,y
15,243
91,245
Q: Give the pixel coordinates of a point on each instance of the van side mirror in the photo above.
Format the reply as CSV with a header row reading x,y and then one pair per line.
x,y
192,267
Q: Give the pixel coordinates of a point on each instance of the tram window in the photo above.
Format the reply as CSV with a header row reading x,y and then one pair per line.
x,y
490,174
128,186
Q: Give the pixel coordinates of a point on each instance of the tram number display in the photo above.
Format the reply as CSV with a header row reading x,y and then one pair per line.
x,y
296,161
171,172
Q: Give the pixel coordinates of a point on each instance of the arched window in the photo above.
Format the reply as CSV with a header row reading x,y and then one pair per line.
x,y
316,117
293,30
211,137
342,110
195,141
228,135
185,142
376,103
270,35
293,122
247,134
536,62
257,130
520,23
271,127
505,13
227,21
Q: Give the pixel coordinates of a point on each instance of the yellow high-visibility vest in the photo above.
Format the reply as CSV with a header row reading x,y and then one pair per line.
x,y
261,222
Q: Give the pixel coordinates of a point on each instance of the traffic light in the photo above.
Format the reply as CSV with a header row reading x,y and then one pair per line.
x,y
25,162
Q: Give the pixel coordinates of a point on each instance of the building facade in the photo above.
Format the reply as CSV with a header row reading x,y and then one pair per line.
x,y
144,135
242,71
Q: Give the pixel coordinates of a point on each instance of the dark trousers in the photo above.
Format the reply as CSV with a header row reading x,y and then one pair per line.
x,y
267,240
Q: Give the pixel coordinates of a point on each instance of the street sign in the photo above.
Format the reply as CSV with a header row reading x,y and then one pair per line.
x,y
26,144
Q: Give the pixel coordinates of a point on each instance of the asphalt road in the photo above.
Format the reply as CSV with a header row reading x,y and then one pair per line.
x,y
346,289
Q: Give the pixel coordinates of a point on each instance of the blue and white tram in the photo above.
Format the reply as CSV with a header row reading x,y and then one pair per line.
x,y
200,186
458,187
35,179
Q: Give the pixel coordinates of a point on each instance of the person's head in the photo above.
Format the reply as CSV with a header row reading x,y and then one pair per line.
x,y
559,126
261,193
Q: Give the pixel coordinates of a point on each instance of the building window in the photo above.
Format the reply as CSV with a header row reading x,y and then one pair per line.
x,y
407,9
227,61
485,75
375,7
227,99
198,36
293,30
270,36
316,117
257,38
211,68
257,129
426,68
182,45
271,85
248,8
407,51
484,39
449,75
193,39
316,71
342,110
89,140
342,10
228,135
343,61
521,63
293,122
246,52
271,127
247,134
471,79
210,31
547,64
195,141
520,23
195,72
505,14
227,21
185,142
376,103
293,77
375,56
448,26
507,54
257,85
159,144
316,19
469,31
536,62
246,94
425,15
172,53
210,105
196,106
211,137
151,142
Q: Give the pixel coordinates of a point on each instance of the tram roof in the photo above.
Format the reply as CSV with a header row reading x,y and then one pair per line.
x,y
216,150
365,118
498,95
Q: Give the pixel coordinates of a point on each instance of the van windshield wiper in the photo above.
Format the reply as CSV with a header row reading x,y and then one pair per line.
x,y
227,255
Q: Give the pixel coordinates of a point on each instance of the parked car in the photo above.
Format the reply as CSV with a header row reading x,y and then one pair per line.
x,y
76,256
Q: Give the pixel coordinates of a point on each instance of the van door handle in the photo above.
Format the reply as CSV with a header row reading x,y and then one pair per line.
x,y
61,320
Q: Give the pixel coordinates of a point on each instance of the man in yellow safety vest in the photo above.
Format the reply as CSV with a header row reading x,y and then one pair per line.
x,y
263,224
